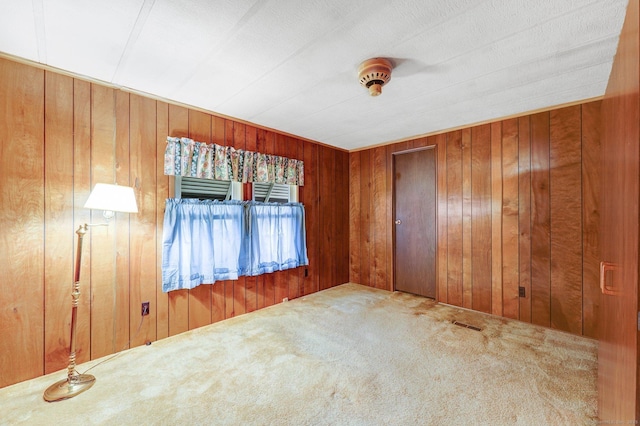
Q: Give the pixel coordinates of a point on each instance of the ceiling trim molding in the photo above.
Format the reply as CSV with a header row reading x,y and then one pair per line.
x,y
45,67
480,123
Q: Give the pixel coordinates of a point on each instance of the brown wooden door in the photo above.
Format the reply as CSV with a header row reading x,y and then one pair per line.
x,y
618,331
415,222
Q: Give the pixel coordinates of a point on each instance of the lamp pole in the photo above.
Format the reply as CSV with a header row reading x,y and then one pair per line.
x,y
75,383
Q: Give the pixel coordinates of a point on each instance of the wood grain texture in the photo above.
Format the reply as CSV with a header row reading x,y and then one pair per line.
x,y
454,218
101,134
58,226
341,231
58,218
496,219
618,337
524,216
81,190
481,217
467,285
591,178
378,276
102,272
328,243
440,141
540,221
22,219
179,299
415,205
517,250
390,234
123,312
162,193
566,219
142,267
312,280
355,263
365,243
510,188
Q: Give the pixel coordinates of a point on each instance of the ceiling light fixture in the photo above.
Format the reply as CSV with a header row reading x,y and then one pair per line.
x,y
375,73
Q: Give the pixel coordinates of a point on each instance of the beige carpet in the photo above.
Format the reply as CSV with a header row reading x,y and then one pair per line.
x,y
347,355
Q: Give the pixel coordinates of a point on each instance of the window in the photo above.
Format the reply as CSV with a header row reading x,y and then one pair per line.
x,y
275,193
207,189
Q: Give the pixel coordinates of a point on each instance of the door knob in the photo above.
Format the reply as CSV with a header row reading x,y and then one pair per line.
x,y
398,222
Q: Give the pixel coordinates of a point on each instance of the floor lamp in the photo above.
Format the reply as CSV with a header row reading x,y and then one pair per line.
x,y
110,198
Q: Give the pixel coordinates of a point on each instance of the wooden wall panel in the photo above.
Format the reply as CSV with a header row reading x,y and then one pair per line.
x,y
378,276
566,219
591,177
355,261
509,189
58,220
467,286
540,221
81,191
101,274
22,219
200,296
327,169
121,227
179,299
142,266
524,216
441,193
366,203
496,219
162,193
481,217
454,218
78,134
341,184
310,189
619,337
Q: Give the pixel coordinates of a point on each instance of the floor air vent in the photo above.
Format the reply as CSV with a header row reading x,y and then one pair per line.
x,y
472,327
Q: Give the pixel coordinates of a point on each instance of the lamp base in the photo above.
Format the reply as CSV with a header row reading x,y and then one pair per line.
x,y
65,389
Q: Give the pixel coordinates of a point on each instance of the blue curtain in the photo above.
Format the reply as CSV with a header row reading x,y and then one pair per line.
x,y
207,241
202,242
277,237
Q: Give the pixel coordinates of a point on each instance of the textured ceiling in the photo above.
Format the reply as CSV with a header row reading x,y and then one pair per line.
x,y
292,65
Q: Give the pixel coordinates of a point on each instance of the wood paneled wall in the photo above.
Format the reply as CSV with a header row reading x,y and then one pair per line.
x,y
60,136
619,335
517,207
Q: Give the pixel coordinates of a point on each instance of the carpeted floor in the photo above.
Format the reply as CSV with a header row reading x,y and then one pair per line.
x,y
347,355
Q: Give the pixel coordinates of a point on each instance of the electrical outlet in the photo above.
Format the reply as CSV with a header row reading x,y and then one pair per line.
x,y
522,292
145,308
286,299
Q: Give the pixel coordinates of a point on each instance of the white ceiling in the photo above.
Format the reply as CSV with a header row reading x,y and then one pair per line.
x,y
292,65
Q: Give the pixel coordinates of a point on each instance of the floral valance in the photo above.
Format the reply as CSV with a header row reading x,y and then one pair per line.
x,y
186,157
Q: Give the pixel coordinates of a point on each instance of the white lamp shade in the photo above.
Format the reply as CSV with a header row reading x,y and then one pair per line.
x,y
113,198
